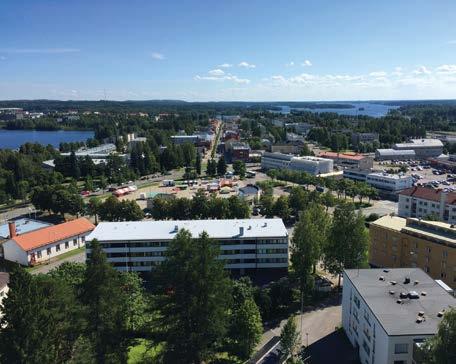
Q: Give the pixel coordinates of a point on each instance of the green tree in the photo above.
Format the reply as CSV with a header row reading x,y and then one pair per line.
x,y
198,164
347,241
211,169
88,184
221,166
107,311
289,339
239,168
281,208
93,207
194,310
441,348
309,239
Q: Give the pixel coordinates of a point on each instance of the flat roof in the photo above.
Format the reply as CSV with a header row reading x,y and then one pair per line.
x,y
389,175
399,319
23,226
420,143
348,156
410,152
166,230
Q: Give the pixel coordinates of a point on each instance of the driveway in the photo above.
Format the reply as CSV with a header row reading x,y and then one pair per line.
x,y
77,258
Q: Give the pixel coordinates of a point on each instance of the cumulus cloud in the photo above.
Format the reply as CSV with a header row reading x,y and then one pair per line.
x,y
221,77
244,64
397,71
216,72
378,74
225,65
446,68
306,63
40,50
157,56
422,70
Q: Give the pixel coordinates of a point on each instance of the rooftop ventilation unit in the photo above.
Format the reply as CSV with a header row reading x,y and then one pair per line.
x,y
421,313
423,293
381,278
440,314
407,280
386,270
391,292
399,301
403,295
393,283
419,320
413,295
416,282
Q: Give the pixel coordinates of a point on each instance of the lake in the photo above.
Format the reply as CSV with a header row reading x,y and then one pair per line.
x,y
13,139
370,109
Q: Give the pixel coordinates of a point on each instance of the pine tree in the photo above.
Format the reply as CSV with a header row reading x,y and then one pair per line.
x,y
198,164
221,166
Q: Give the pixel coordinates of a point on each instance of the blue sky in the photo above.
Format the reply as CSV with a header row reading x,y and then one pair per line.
x,y
227,50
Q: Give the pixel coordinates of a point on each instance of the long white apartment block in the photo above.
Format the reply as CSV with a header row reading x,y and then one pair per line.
x,y
245,244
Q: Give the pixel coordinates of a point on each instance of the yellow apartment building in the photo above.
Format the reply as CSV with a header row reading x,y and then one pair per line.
x,y
398,242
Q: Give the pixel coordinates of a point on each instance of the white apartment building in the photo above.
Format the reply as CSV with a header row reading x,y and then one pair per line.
x,y
312,165
385,312
421,202
245,244
389,182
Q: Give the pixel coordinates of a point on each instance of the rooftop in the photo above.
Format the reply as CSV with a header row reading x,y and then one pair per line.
x,y
431,194
23,226
389,175
410,152
352,156
166,230
50,234
381,295
420,143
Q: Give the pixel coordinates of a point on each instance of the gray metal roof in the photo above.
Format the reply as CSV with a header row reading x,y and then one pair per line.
x,y
395,318
23,226
166,230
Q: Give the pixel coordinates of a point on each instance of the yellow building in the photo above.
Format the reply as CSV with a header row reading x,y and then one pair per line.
x,y
429,245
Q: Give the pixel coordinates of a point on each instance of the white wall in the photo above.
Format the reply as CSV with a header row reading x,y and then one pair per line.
x,y
14,253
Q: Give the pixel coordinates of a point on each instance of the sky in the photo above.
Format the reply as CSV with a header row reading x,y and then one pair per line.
x,y
227,50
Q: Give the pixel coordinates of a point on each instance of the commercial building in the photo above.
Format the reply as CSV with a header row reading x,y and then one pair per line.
x,y
312,165
349,160
389,182
41,245
97,152
356,174
386,312
247,245
197,139
424,148
392,154
237,151
357,138
423,202
411,242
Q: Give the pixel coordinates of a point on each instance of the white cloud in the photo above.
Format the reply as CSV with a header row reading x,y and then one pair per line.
x,y
40,50
378,74
216,72
225,65
157,56
422,70
289,64
246,65
306,63
222,77
446,68
397,71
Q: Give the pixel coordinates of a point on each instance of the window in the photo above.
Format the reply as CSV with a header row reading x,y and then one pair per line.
x,y
67,245
57,248
75,242
38,254
400,362
400,348
48,250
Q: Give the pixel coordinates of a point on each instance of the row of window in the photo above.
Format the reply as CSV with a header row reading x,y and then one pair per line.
x,y
58,248
157,244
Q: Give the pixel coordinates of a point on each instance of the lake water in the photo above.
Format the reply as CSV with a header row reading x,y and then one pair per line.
x,y
13,139
370,109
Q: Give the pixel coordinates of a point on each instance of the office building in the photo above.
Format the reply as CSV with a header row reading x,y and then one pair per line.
x,y
312,165
237,151
410,242
357,138
389,182
386,312
349,160
424,202
424,148
41,245
247,245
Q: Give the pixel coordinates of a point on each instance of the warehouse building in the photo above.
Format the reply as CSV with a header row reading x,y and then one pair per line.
x,y
429,245
387,313
247,245
392,154
312,165
424,148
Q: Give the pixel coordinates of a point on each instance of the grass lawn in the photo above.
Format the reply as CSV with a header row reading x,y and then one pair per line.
x,y
141,353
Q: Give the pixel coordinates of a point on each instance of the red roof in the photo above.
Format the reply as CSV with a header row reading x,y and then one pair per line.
x,y
51,234
334,155
426,193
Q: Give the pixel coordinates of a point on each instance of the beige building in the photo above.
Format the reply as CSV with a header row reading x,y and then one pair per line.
x,y
398,242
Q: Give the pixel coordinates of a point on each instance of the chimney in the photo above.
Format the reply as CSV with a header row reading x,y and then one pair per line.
x,y
241,230
12,229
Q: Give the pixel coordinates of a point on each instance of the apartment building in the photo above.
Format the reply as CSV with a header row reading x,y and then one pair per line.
x,y
430,245
247,245
423,202
312,165
386,312
389,182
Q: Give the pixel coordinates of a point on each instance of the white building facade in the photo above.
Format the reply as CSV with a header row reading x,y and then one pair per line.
x,y
246,244
422,202
312,165
384,315
389,182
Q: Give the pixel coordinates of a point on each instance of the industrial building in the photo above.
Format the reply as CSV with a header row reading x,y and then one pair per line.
x,y
392,154
312,165
387,313
423,202
423,148
247,245
410,242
